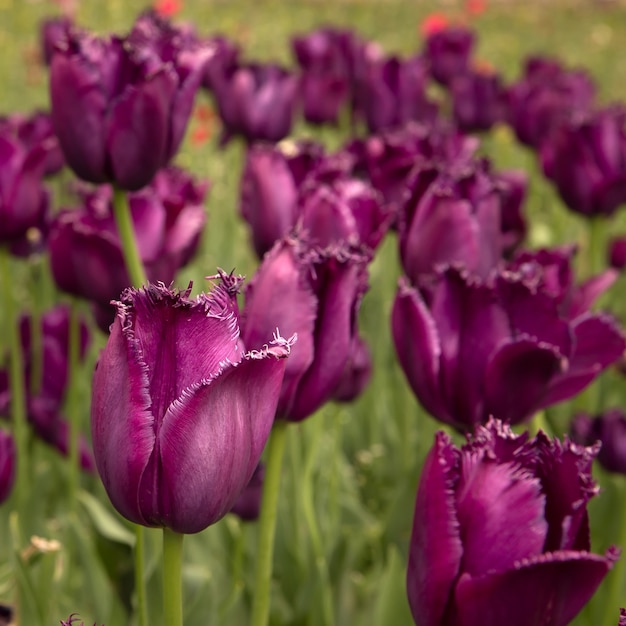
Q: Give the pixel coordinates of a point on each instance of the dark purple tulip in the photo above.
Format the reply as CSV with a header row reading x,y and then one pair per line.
x,y
357,373
224,59
448,53
501,532
585,158
512,186
609,429
315,293
44,408
622,617
85,251
478,100
24,200
177,431
617,253
544,96
7,465
471,348
248,504
120,106
54,32
453,216
256,101
393,91
270,183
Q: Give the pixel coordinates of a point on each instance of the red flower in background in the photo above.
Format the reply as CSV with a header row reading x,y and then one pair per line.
x,y
433,23
475,7
168,8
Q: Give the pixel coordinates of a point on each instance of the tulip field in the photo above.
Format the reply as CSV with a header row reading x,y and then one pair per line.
x,y
313,313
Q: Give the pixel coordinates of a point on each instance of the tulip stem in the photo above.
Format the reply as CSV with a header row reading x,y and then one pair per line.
x,y
596,245
615,593
267,524
132,259
17,383
72,403
36,330
172,577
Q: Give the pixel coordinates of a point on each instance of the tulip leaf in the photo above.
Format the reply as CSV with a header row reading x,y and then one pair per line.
x,y
392,606
104,521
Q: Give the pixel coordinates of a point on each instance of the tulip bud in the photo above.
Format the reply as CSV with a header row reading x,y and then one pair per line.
x,y
7,465
448,52
180,413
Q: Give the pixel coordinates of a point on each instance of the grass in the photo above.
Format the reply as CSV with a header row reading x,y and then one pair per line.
x,y
350,472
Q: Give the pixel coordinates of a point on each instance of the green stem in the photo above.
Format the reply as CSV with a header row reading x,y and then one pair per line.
x,y
72,401
267,524
596,245
134,266
616,582
18,388
172,577
36,330
140,587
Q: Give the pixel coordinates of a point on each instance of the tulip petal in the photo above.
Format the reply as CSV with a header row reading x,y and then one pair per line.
x,y
517,378
436,549
234,411
552,587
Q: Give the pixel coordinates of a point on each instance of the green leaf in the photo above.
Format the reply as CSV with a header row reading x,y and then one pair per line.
x,y
105,523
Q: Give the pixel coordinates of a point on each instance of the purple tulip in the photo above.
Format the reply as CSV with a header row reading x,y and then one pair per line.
x,y
453,216
544,96
54,32
224,59
393,91
512,186
609,429
315,294
585,158
500,523
120,106
248,504
502,347
177,431
622,617
356,374
7,465
24,200
617,253
256,101
478,100
85,250
448,53
44,407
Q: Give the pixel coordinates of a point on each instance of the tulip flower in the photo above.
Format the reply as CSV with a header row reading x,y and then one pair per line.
x,y
617,253
448,52
501,532
546,95
224,59
178,431
248,504
622,617
585,158
500,347
356,374
45,404
314,293
120,106
85,249
255,101
609,428
7,465
511,186
54,32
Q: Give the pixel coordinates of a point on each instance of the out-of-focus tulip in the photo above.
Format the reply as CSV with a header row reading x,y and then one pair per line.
x,y
54,32
7,465
85,250
314,293
512,185
544,96
44,406
448,52
255,101
585,158
622,617
617,253
501,532
224,59
120,106
392,91
356,374
177,431
453,216
248,504
478,100
502,347
609,429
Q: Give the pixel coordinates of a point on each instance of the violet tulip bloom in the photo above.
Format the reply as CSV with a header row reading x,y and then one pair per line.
x,y
622,617
86,253
501,532
448,53
7,465
248,504
120,106
585,158
478,100
356,374
178,431
54,32
392,92
617,253
512,186
609,429
502,347
314,293
255,101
